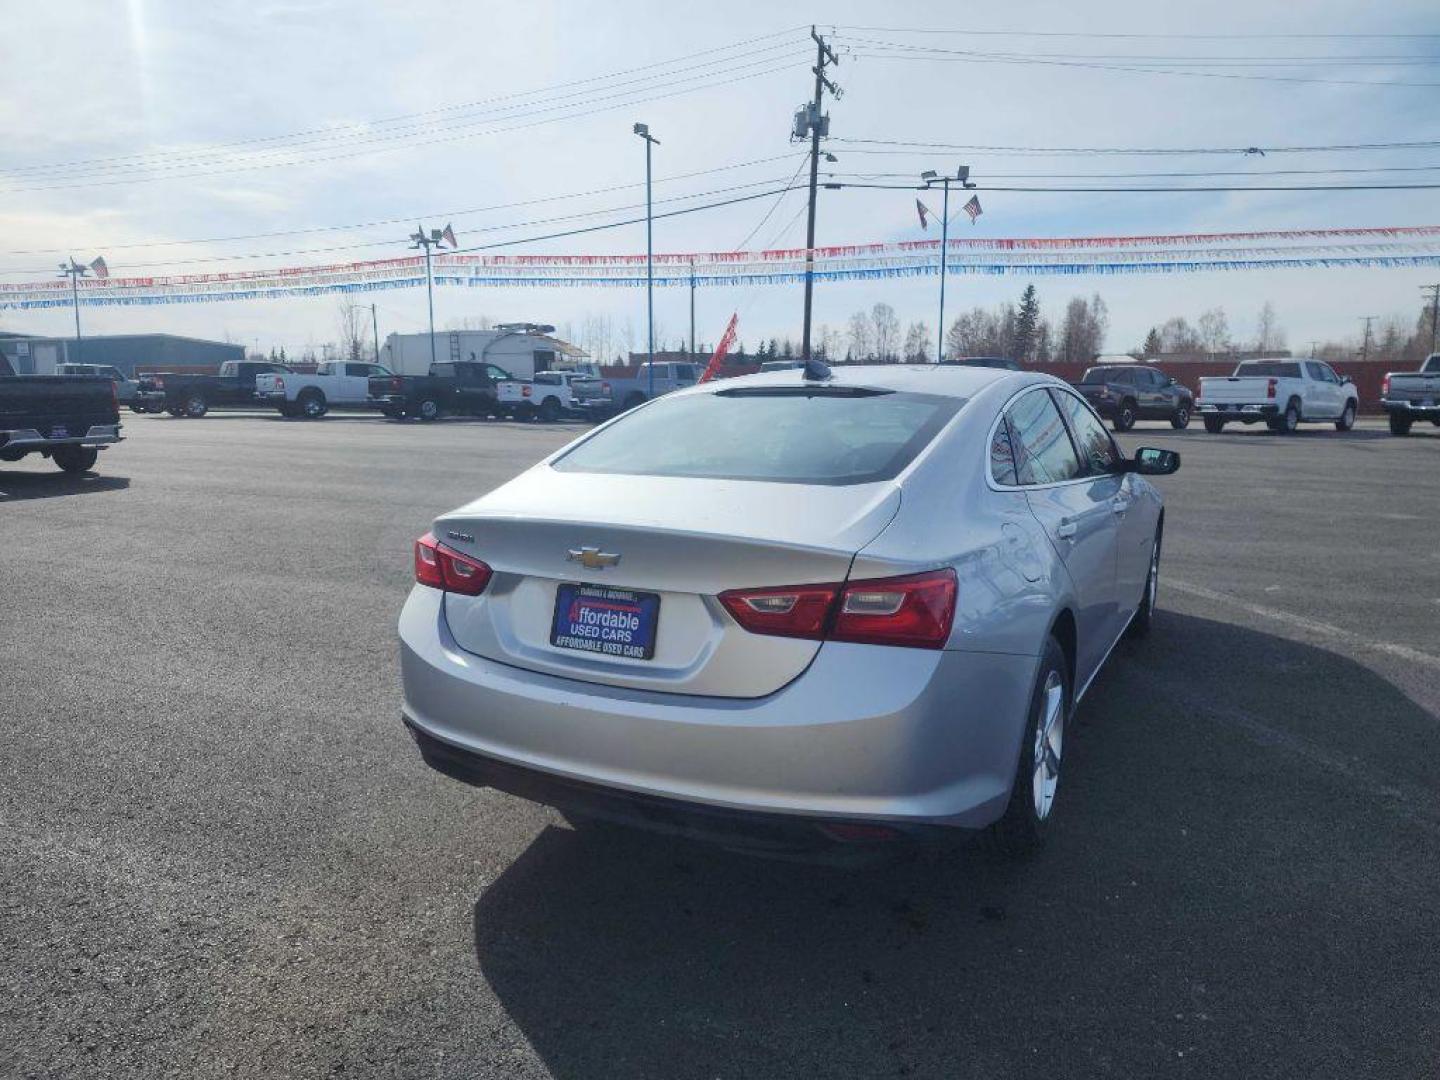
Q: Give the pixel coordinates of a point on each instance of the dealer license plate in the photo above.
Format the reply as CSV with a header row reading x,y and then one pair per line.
x,y
610,622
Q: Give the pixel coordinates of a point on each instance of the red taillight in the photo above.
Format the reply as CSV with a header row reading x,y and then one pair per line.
x,y
441,567
1385,386
1270,388
396,385
792,611
914,611
279,383
605,387
525,391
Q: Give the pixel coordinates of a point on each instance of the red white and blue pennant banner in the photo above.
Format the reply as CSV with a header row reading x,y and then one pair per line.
x,y
1180,253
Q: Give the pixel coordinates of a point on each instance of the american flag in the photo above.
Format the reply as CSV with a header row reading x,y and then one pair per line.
x,y
101,270
973,208
449,236
925,214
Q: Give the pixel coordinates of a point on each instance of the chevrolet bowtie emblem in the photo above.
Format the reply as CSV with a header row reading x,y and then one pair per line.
x,y
592,558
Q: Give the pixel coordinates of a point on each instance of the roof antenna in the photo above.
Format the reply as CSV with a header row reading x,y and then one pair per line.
x,y
816,370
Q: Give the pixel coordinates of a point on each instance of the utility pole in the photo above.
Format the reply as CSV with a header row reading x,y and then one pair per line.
x,y
643,130
375,326
811,119
1365,341
421,239
962,175
1434,291
74,271
692,309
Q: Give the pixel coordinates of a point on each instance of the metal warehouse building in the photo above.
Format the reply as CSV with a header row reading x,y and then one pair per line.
x,y
30,355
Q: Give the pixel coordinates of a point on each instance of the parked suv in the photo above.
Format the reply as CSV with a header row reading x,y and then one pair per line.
x,y
1124,393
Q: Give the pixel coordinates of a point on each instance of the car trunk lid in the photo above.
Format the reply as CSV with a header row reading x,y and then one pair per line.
x,y
676,543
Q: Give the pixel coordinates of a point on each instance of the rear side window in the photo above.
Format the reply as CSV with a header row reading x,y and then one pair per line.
x,y
1277,369
803,437
1097,450
1041,444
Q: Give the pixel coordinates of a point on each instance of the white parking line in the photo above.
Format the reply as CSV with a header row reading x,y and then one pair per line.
x,y
1314,626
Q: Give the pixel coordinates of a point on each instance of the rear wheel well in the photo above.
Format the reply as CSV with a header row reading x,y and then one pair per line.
x,y
1063,631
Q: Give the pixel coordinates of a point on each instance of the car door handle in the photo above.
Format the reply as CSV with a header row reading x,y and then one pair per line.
x,y
1065,530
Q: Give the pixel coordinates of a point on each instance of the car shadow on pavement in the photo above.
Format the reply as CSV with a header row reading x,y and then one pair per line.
x,y
22,486
1197,901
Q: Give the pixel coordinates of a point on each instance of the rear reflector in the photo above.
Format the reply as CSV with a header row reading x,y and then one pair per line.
x,y
915,611
441,567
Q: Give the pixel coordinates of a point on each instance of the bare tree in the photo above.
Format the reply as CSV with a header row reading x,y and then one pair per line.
x,y
886,326
828,343
1178,336
917,343
1269,337
1082,336
1214,330
860,337
352,329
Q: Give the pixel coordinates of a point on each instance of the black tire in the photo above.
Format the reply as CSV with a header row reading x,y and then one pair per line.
x,y
549,410
634,400
75,459
426,409
1022,829
310,404
195,406
1347,418
1286,422
1145,613
1400,425
1124,416
1180,418
1214,425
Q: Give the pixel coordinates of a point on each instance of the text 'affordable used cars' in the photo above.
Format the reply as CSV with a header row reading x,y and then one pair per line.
x,y
792,610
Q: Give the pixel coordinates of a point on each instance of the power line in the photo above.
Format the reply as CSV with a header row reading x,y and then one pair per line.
x,y
1131,35
1258,174
404,219
1138,190
940,55
1262,150
693,88
367,126
774,206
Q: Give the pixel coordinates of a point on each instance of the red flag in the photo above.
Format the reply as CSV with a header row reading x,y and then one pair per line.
x,y
727,339
449,236
923,211
101,270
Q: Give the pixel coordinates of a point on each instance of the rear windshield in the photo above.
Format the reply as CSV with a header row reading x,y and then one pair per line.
x,y
819,437
1278,369
1100,374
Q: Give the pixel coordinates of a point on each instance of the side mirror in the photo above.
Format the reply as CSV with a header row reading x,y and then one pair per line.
x,y
1172,381
1345,380
1149,461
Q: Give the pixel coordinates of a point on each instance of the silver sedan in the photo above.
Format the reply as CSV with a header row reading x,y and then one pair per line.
x,y
799,609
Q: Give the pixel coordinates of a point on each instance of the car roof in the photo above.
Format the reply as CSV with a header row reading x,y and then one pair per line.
x,y
947,379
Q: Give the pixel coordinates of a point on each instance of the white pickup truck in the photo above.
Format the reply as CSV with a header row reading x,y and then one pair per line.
x,y
341,384
1408,396
1283,393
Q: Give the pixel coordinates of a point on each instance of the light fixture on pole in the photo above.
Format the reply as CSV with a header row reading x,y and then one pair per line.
x,y
75,271
422,240
643,130
930,177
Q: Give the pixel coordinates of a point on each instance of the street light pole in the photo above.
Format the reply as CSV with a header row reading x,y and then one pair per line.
x,y
375,326
643,130
962,174
422,240
74,271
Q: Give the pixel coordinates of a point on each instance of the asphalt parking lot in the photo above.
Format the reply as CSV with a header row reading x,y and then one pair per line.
x,y
220,854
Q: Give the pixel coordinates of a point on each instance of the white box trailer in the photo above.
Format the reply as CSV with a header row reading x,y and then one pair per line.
x,y
522,349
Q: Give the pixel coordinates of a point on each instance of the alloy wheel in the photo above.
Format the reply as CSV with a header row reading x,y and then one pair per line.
x,y
1049,741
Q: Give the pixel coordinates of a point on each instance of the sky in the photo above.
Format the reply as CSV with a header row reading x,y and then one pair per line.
x,y
152,132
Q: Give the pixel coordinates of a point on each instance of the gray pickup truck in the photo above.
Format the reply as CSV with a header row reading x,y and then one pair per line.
x,y
67,418
1408,396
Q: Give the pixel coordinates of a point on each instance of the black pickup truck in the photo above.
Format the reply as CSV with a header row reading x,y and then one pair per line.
x,y
67,418
464,388
195,395
1124,393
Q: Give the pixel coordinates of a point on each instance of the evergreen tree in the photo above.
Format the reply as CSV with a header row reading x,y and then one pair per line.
x,y
1152,345
1026,320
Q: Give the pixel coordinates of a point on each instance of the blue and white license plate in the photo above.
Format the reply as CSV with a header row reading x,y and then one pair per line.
x,y
611,622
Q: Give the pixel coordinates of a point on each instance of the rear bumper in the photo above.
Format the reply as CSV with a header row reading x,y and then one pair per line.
x,y
867,734
1244,413
1409,408
31,439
